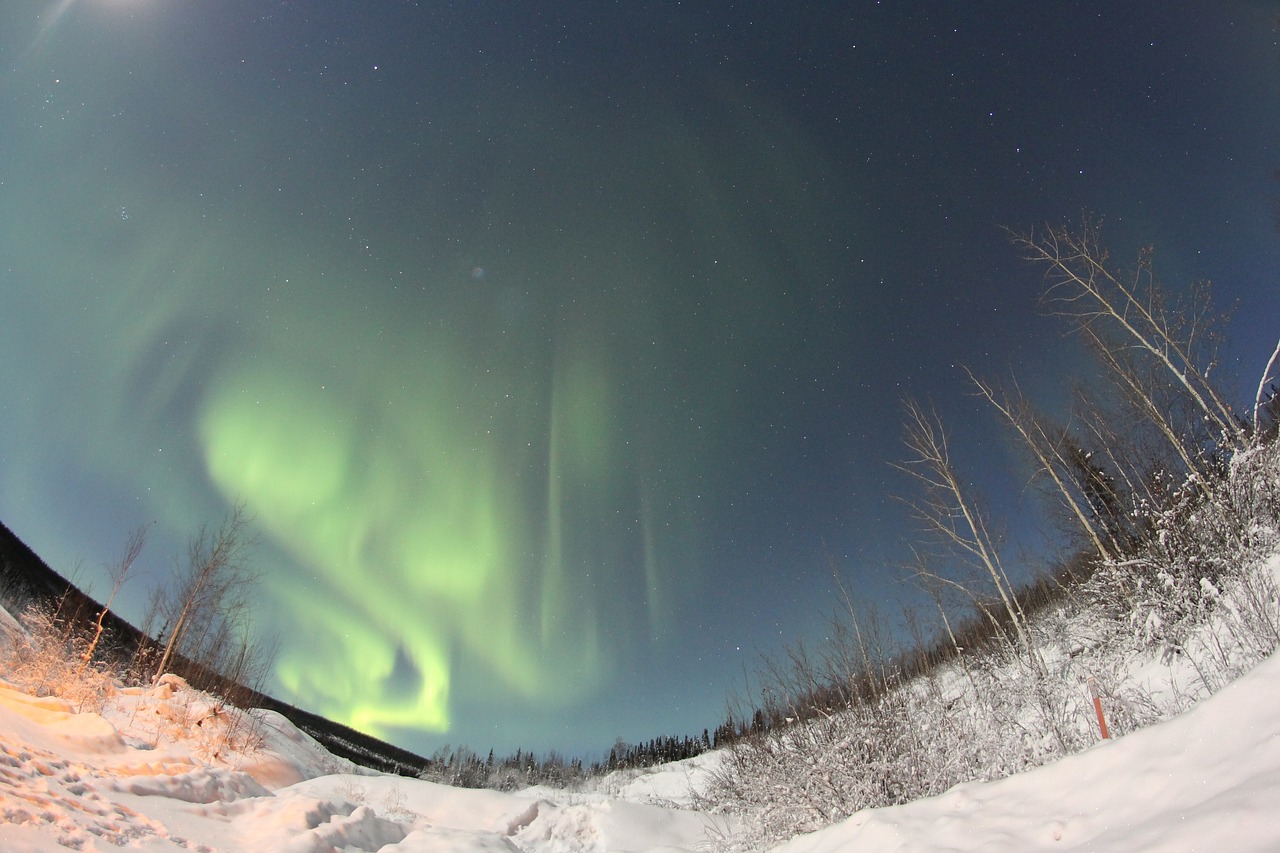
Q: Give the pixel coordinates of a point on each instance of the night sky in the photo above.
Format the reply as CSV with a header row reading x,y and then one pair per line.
x,y
557,347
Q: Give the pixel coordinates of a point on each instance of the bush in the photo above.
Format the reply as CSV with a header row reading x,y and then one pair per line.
x,y
1198,596
1198,589
51,660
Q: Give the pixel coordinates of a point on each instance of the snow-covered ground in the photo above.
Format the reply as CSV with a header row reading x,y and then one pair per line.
x,y
1207,780
164,768
152,774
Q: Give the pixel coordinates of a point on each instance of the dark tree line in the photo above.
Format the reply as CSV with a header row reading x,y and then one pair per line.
x,y
464,768
661,750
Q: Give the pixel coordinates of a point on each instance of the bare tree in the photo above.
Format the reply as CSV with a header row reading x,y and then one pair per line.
x,y
1050,450
948,510
1120,440
1083,287
1156,404
1258,401
210,593
119,574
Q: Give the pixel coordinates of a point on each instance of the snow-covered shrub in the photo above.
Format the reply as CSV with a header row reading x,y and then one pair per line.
x,y
1197,589
979,717
1200,595
52,659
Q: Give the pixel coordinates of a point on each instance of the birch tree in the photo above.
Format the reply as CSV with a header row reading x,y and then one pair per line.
x,y
119,574
1052,454
1127,315
210,591
948,510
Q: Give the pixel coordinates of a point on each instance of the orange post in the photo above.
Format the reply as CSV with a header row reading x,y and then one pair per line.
x,y
1097,708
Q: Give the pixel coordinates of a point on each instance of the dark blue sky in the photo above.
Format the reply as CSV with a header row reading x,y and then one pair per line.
x,y
556,346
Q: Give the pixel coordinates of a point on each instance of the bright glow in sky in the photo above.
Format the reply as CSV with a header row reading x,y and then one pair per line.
x,y
554,351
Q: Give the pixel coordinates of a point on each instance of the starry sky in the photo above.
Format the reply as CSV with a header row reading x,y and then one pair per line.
x,y
557,348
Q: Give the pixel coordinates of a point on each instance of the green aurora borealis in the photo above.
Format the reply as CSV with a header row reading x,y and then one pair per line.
x,y
548,390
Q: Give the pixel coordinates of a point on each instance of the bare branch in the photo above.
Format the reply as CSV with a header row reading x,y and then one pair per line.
x,y
947,509
119,573
1262,384
1085,290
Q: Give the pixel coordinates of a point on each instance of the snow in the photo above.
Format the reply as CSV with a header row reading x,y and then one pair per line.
x,y
151,775
154,772
1206,780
